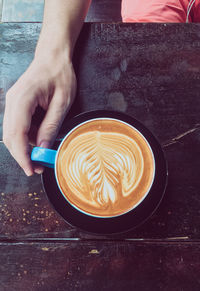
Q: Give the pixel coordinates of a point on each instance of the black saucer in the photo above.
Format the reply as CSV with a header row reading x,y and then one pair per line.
x,y
126,221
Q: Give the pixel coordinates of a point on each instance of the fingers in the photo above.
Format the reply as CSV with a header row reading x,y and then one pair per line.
x,y
51,123
16,124
57,110
21,102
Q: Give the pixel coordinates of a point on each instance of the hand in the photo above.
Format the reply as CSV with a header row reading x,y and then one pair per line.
x,y
49,82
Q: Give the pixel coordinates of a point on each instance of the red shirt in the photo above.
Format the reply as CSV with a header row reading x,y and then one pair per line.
x,y
160,10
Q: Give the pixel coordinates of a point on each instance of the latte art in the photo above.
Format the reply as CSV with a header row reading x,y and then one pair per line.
x,y
104,165
102,172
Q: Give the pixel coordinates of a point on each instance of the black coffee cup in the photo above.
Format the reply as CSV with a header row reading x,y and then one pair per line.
x,y
129,219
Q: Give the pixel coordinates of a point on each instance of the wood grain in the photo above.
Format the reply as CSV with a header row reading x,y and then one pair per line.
x,y
99,266
150,71
26,213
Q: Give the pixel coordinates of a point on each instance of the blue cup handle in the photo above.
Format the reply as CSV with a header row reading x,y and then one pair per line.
x,y
44,157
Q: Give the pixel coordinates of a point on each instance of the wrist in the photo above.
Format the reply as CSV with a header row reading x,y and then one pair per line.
x,y
57,46
47,50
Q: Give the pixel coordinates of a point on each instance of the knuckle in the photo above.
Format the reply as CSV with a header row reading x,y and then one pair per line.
x,y
51,127
61,106
64,102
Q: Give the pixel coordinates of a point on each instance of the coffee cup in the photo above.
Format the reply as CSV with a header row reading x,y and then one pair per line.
x,y
104,166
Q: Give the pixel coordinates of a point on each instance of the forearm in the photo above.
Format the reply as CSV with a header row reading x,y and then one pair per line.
x,y
62,23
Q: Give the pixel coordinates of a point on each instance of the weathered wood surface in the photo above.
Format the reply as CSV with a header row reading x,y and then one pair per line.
x,y
26,213
22,10
150,71
32,11
99,266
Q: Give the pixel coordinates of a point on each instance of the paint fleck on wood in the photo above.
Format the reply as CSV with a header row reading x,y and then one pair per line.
x,y
94,252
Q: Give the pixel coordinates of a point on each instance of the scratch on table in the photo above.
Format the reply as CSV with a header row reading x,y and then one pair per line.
x,y
178,238
180,136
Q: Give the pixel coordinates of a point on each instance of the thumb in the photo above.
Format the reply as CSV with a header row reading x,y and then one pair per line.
x,y
53,119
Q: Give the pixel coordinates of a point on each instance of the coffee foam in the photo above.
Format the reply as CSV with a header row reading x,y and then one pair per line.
x,y
105,167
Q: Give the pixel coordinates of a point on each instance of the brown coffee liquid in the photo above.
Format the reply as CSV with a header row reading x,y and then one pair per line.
x,y
105,167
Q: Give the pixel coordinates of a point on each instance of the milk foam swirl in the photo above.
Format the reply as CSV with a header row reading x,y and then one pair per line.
x,y
101,168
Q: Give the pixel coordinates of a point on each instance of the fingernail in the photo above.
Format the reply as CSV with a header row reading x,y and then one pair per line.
x,y
44,144
28,172
38,171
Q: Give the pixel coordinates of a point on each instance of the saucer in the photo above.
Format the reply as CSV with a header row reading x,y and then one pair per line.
x,y
127,221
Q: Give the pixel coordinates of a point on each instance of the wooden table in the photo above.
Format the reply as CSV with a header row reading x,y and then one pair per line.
x,y
152,72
